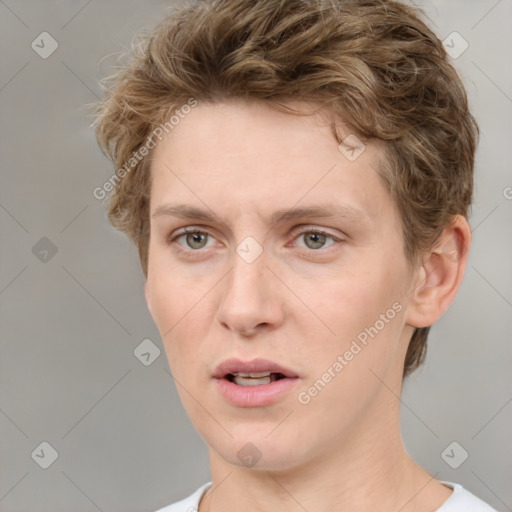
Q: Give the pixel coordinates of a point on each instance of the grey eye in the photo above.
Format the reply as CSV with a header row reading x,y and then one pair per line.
x,y
317,239
196,240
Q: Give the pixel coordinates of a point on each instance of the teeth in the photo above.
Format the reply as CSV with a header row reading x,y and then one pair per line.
x,y
254,378
249,381
253,375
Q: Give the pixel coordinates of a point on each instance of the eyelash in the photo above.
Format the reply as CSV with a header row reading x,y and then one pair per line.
x,y
185,231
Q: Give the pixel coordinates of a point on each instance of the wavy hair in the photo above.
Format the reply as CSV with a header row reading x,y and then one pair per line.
x,y
373,63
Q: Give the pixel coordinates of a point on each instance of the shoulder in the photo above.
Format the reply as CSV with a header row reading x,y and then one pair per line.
x,y
189,504
462,500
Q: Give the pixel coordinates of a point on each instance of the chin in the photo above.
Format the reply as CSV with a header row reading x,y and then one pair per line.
x,y
256,450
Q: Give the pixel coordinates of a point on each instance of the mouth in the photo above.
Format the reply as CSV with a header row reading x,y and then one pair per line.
x,y
254,378
255,383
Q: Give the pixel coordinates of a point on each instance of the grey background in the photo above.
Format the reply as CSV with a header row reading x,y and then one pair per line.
x,y
70,324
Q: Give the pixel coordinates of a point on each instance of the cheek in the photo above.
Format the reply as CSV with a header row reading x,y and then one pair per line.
x,y
173,292
356,301
179,310
365,310
348,372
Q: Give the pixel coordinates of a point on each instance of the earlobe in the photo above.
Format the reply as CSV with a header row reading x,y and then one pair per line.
x,y
440,275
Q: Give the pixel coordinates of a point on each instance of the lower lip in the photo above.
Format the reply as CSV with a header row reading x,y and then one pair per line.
x,y
255,396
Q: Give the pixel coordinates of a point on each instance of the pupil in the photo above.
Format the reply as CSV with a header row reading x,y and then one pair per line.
x,y
318,242
196,238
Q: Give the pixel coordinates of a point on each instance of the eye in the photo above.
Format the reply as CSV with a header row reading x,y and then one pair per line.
x,y
316,239
194,239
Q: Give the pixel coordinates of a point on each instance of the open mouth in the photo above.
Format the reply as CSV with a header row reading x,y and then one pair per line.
x,y
254,378
255,383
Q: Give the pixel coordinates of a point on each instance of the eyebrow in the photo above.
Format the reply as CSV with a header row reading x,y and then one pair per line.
x,y
278,217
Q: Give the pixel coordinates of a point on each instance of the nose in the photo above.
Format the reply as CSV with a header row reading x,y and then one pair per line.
x,y
251,302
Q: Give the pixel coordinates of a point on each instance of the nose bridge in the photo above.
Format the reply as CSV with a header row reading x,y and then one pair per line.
x,y
248,261
248,300
246,279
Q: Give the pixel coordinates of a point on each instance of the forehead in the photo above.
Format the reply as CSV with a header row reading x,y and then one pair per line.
x,y
248,155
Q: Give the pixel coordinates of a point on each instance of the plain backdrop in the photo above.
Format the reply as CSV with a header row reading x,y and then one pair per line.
x,y
72,307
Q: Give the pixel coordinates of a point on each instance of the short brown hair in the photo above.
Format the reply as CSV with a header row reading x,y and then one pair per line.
x,y
373,63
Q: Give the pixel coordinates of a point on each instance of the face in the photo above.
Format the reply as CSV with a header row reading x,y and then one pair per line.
x,y
319,297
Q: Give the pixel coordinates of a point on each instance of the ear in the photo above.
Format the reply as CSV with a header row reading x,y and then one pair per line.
x,y
440,276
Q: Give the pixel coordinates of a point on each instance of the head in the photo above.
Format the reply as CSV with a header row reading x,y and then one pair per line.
x,y
246,109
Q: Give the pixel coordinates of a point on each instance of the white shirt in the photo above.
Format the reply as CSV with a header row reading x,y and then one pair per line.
x,y
460,500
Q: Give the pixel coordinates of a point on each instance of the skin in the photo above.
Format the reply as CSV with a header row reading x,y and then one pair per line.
x,y
301,303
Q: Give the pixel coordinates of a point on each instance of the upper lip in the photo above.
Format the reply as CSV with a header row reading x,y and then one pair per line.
x,y
253,366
